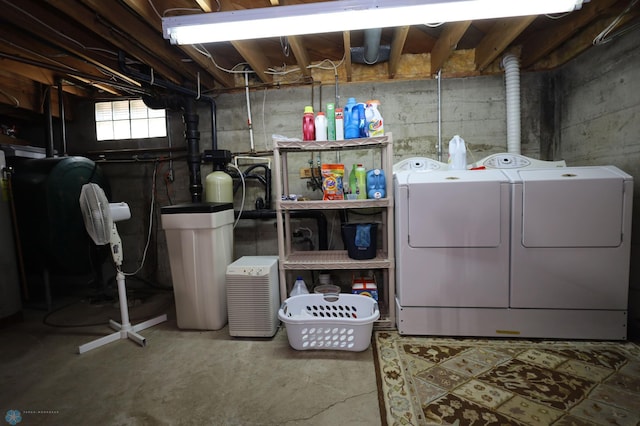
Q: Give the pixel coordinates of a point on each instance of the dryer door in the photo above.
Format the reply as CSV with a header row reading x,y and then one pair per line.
x,y
571,232
455,209
457,240
576,207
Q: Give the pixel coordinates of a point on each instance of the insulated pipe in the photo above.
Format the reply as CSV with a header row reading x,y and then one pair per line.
x,y
372,38
512,82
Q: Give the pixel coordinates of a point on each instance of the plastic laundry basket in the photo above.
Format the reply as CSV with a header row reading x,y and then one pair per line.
x,y
340,322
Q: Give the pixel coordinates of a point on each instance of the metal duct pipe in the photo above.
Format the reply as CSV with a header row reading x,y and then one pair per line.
x,y
372,38
511,66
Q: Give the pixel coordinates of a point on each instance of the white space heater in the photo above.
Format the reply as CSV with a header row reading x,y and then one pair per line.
x,y
253,296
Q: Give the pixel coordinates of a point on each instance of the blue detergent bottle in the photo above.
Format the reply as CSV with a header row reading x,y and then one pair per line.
x,y
376,184
351,129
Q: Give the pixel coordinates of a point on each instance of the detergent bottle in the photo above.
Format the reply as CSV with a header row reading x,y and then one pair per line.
x,y
361,182
375,125
350,113
321,126
308,125
457,154
376,185
362,120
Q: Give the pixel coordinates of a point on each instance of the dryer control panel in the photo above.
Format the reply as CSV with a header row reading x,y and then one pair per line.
x,y
515,161
419,163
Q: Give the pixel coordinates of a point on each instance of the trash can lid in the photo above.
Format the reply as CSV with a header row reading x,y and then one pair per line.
x,y
204,207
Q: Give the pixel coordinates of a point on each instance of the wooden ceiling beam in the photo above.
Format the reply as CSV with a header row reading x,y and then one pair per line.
x,y
502,34
301,54
397,45
26,50
346,39
544,42
29,14
145,35
146,12
447,43
253,54
584,39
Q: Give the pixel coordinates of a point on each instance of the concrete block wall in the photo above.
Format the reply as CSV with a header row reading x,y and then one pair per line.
x,y
584,113
599,124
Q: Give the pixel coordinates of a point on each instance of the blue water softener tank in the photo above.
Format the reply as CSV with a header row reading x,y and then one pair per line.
x,y
376,184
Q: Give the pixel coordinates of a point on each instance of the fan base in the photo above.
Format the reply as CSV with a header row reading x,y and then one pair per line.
x,y
130,332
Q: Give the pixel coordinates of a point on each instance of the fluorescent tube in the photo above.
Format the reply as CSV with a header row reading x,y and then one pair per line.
x,y
345,15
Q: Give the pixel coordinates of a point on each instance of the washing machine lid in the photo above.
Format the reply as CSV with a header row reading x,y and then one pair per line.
x,y
572,207
458,208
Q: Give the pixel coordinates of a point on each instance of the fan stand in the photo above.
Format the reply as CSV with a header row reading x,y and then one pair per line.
x,y
124,329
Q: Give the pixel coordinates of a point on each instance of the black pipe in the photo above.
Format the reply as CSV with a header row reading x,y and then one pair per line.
x,y
63,125
320,218
192,136
48,116
146,78
266,181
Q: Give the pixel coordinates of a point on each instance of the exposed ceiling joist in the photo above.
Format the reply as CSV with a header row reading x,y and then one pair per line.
x,y
80,40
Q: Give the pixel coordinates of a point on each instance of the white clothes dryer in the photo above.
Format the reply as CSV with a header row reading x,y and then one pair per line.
x,y
452,248
506,161
570,247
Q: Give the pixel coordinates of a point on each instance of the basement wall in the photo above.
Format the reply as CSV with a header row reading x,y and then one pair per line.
x,y
585,113
599,122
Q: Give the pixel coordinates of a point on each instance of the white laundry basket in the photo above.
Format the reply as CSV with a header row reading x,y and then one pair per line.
x,y
329,321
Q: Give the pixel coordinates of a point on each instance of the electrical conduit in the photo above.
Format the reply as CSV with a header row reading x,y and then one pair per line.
x,y
511,66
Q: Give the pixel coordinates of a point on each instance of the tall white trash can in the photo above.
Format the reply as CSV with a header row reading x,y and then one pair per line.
x,y
200,243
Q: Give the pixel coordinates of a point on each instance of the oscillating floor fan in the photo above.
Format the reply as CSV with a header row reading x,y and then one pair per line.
x,y
99,219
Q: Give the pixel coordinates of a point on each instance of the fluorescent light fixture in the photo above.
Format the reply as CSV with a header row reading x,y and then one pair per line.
x,y
345,15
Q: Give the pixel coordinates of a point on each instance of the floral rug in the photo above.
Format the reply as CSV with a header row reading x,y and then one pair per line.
x,y
458,381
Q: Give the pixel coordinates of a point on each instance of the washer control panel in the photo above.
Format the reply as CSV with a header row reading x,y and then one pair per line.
x,y
515,161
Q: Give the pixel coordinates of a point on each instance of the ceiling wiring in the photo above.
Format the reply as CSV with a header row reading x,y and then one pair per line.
x,y
605,36
11,97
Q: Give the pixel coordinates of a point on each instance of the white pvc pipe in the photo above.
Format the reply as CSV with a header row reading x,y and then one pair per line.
x,y
512,82
249,121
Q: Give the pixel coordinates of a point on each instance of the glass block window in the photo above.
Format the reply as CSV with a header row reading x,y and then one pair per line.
x,y
130,119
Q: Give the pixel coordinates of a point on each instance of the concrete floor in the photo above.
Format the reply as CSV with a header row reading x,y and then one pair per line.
x,y
179,378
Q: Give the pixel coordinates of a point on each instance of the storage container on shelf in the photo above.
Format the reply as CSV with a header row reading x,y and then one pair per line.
x,y
332,321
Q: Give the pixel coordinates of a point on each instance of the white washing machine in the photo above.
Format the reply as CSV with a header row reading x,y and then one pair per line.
x,y
452,248
567,259
570,251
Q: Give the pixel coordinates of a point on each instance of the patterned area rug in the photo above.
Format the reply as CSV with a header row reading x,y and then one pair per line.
x,y
457,381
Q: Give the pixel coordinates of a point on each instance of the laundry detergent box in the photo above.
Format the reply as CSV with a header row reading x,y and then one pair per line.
x,y
365,286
